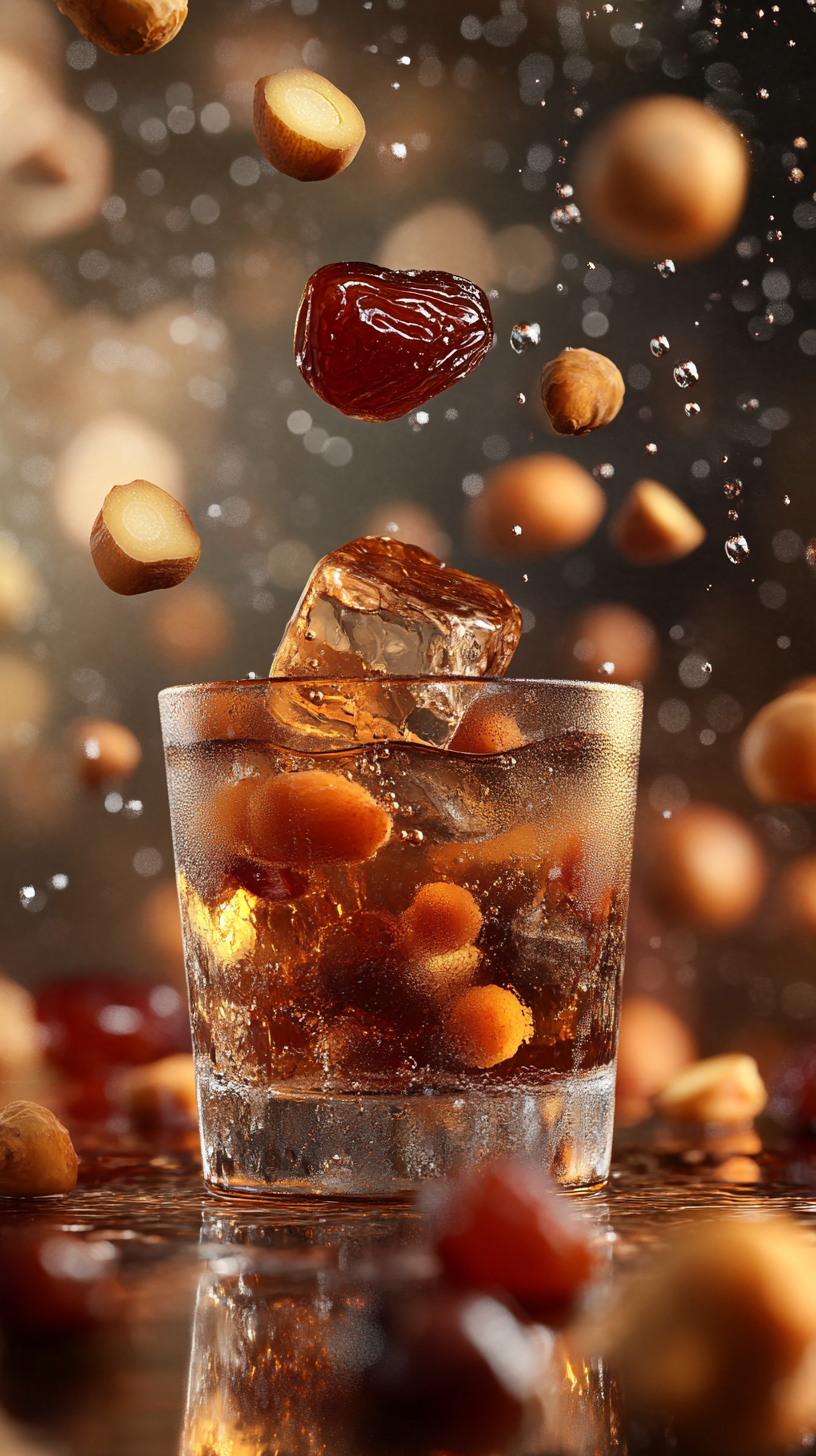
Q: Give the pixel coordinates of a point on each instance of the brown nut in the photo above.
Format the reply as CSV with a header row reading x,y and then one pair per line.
x,y
485,728
315,818
408,521
487,1025
102,750
653,1045
778,750
36,1153
706,868
126,27
725,1089
581,391
718,1335
613,641
21,1045
22,590
654,526
797,893
143,540
537,504
193,624
162,1092
664,176
441,917
304,126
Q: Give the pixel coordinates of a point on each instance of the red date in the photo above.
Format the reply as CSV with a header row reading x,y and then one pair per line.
x,y
376,343
95,1022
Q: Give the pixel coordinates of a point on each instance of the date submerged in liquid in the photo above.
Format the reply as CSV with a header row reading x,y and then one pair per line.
x,y
376,342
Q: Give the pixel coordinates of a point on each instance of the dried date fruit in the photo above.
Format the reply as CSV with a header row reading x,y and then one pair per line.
x,y
376,343
135,28
505,1227
93,1022
304,126
581,391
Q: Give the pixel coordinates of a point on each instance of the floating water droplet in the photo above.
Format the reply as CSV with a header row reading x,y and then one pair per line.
x,y
707,668
604,471
564,217
591,267
733,515
810,552
522,398
686,374
786,500
525,577
690,410
517,530
736,549
564,189
651,449
659,345
748,403
524,336
732,488
607,668
666,269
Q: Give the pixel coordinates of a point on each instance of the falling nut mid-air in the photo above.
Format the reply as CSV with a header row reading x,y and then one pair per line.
x,y
143,540
304,126
581,391
126,27
654,526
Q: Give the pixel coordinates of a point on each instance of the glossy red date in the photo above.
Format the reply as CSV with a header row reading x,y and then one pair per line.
x,y
376,343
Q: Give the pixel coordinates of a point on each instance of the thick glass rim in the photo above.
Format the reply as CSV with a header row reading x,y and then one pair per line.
x,y
264,683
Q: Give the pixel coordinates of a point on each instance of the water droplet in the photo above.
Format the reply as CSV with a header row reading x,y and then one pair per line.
x,y
517,530
607,668
564,217
666,269
732,488
736,549
810,552
564,189
786,500
524,336
686,374
604,471
707,668
749,404
525,577
659,345
522,398
651,449
690,410
733,515
591,267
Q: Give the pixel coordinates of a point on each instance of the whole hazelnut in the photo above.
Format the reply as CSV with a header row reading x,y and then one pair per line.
x,y
535,505
136,28
664,176
706,868
36,1153
653,1045
778,750
613,640
581,391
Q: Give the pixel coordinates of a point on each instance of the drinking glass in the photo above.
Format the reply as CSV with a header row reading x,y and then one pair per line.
x,y
371,1013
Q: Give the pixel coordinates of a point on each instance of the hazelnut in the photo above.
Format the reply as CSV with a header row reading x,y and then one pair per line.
x,y
315,818
778,750
441,917
664,176
143,540
535,505
443,975
162,1092
797,893
407,521
21,1043
581,391
135,28
654,526
614,641
304,126
101,750
485,728
486,1025
706,868
718,1336
653,1045
192,625
36,1153
722,1089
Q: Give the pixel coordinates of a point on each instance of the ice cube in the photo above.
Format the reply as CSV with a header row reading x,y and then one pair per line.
x,y
377,608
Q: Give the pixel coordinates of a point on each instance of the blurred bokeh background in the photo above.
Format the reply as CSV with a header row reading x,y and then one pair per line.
x,y
151,264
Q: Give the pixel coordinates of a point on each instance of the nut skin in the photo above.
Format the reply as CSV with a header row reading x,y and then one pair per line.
x,y
556,503
664,176
654,526
126,27
778,750
37,1157
289,151
581,391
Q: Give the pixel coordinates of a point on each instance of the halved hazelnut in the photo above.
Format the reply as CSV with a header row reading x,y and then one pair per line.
x,y
143,540
136,28
304,126
726,1089
581,391
653,525
102,750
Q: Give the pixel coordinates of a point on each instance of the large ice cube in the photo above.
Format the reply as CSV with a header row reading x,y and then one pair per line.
x,y
378,608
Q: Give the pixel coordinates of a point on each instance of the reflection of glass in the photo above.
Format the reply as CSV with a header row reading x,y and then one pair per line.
x,y
343,1046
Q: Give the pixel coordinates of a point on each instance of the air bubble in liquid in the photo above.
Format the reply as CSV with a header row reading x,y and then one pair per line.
x,y
666,269
736,549
659,345
691,409
810,552
524,336
686,374
564,217
732,488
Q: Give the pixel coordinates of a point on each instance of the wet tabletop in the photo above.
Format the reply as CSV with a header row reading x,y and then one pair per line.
x,y
120,1383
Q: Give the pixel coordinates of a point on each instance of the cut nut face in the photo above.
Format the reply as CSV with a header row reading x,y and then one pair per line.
x,y
304,126
36,1153
143,540
126,27
726,1089
653,526
581,391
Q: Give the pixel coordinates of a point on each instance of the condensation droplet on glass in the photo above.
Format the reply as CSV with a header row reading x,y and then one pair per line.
x,y
666,268
736,549
651,449
524,336
732,488
564,217
690,410
810,552
686,374
604,471
659,345
591,267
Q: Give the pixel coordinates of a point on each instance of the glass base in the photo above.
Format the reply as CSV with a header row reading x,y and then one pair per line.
x,y
259,1141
